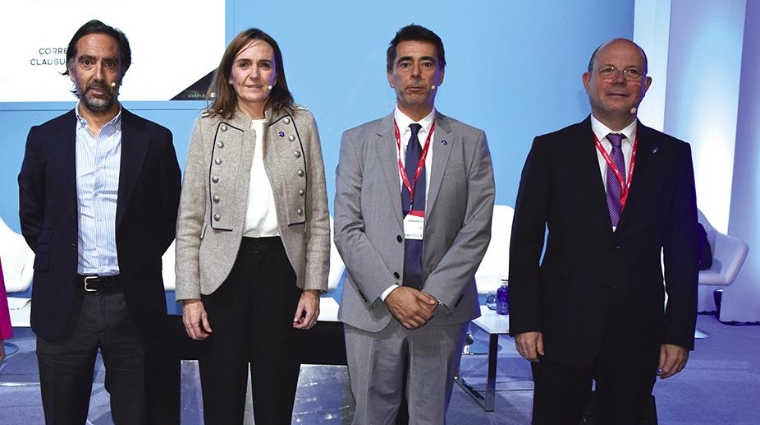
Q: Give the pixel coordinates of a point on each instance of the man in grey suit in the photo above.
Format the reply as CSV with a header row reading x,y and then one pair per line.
x,y
413,205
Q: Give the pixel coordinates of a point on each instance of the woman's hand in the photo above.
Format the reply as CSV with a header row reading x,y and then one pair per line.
x,y
195,319
307,311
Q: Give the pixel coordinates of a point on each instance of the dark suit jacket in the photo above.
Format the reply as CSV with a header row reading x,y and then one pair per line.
x,y
146,213
585,263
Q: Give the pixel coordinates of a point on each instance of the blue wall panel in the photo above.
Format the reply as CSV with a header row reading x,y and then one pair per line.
x,y
514,69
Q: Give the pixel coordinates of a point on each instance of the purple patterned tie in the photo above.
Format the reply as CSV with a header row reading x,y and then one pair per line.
x,y
613,184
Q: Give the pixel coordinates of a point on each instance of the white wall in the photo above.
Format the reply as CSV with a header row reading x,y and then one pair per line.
x,y
702,100
744,222
711,98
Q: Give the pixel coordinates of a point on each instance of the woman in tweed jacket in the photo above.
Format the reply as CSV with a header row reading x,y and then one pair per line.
x,y
253,236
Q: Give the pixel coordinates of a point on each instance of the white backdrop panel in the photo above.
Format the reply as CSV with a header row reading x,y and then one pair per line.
x,y
174,44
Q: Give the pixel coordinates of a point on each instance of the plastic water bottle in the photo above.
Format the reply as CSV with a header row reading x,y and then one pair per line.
x,y
502,298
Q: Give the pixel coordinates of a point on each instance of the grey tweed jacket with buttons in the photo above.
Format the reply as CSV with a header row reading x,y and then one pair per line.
x,y
215,197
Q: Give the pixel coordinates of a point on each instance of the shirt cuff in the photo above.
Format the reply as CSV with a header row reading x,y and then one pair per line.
x,y
443,307
387,291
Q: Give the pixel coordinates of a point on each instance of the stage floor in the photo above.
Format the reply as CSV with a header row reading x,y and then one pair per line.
x,y
323,395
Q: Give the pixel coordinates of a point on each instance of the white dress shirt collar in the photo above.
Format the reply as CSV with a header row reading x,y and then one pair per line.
x,y
601,131
403,122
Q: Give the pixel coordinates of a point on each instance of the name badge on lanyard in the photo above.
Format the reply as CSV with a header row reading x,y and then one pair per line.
x,y
414,221
414,225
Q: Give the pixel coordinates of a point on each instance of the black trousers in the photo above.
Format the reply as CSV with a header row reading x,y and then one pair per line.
x,y
162,372
251,315
624,373
66,366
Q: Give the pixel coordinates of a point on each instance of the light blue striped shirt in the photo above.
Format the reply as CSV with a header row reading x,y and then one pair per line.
x,y
98,162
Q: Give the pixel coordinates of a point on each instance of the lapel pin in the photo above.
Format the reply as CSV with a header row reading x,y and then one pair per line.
x,y
444,142
655,150
281,134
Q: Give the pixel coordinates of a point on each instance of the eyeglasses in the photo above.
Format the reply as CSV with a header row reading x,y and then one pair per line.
x,y
609,73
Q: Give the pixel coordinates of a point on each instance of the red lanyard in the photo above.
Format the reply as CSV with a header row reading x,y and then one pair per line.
x,y
625,185
420,164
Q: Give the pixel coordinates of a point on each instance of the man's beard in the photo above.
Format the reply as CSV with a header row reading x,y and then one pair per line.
x,y
97,105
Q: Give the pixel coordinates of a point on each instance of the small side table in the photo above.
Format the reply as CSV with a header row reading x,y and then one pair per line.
x,y
495,325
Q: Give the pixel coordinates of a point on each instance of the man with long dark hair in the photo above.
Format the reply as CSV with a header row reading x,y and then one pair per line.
x,y
99,190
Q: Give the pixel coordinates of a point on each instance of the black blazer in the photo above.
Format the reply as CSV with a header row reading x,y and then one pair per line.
x,y
567,296
146,213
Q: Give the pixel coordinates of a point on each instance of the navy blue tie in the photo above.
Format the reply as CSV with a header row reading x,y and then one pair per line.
x,y
413,247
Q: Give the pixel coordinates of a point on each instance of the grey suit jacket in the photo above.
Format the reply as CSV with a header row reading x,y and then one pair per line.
x,y
369,222
215,198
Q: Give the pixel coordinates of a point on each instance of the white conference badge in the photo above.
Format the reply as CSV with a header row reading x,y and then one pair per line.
x,y
414,224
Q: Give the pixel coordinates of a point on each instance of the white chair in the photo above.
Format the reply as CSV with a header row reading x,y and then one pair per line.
x,y
337,267
729,254
167,264
17,258
169,276
18,271
495,264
